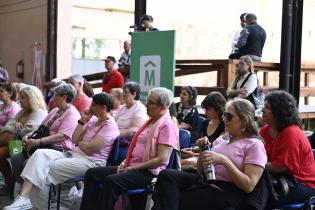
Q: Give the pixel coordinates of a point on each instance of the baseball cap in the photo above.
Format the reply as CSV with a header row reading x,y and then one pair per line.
x,y
110,58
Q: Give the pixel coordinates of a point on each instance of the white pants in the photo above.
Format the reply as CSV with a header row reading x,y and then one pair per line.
x,y
48,166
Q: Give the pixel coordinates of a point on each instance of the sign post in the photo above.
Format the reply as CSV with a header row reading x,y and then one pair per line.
x,y
153,60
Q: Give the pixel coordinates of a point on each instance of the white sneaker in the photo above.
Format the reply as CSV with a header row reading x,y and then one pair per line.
x,y
20,203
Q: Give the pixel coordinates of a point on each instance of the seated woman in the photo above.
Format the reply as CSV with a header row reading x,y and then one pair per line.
x,y
289,151
131,116
117,93
148,154
61,122
93,140
9,108
27,120
212,128
245,82
187,113
238,157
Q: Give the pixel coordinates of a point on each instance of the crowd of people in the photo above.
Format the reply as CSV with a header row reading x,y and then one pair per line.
x,y
79,128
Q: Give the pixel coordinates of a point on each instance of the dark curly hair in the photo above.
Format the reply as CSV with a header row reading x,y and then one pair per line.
x,y
284,109
193,93
214,100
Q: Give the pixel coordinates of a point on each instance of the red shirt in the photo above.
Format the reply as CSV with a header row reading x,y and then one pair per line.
x,y
114,80
291,149
82,103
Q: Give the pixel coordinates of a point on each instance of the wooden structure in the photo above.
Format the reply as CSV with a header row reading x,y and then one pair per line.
x,y
225,70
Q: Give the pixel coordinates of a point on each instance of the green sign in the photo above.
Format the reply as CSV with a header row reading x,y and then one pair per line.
x,y
153,60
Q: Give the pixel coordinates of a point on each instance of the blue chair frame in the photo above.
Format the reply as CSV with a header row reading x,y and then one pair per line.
x,y
112,161
184,138
69,181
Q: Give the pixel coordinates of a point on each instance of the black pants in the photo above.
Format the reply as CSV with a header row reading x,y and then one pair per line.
x,y
297,194
186,191
103,186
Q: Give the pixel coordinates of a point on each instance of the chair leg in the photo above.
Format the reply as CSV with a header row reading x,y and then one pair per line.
x,y
49,196
58,197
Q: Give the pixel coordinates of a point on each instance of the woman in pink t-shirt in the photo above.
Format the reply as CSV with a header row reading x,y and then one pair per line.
x,y
148,154
238,157
9,108
93,139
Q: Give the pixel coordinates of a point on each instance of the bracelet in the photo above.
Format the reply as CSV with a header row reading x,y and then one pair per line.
x,y
80,122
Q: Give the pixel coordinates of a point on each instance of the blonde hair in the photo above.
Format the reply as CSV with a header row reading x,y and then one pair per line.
x,y
35,97
245,110
117,92
248,60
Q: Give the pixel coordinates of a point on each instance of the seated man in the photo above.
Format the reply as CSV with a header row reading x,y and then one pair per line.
x,y
112,78
82,102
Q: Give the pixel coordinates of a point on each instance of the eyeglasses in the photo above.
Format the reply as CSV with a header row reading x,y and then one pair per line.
x,y
126,92
150,103
228,116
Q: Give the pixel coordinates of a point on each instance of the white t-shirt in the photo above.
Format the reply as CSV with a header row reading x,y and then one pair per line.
x,y
125,115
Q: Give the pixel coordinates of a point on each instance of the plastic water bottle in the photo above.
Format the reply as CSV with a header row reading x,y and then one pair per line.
x,y
209,170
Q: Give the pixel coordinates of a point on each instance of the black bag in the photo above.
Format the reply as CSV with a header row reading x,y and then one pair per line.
x,y
41,132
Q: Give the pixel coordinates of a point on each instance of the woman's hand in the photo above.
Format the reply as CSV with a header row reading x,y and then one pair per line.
x,y
187,153
86,116
31,143
202,141
120,168
24,141
207,157
18,126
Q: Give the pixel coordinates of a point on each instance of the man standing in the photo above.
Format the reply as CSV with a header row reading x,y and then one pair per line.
x,y
252,39
124,60
82,102
234,51
112,78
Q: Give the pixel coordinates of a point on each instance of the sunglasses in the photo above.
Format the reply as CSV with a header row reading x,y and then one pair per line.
x,y
228,116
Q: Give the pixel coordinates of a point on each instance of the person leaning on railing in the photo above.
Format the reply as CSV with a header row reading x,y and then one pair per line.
x,y
245,82
289,151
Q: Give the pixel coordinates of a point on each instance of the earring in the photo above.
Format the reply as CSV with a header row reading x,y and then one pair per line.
x,y
243,130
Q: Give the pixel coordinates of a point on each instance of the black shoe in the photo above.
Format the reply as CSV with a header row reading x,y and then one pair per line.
x,y
4,191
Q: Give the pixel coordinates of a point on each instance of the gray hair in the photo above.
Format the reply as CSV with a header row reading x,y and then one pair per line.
x,y
165,95
66,89
77,78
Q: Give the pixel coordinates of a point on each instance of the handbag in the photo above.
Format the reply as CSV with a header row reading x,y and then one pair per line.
x,y
15,146
41,132
259,98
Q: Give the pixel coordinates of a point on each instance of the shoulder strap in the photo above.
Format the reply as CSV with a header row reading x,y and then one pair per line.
x,y
244,82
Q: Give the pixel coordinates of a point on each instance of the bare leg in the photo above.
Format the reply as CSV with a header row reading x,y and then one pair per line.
x,y
26,188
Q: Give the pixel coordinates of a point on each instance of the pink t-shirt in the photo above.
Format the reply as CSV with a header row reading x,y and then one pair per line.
x,y
82,103
240,152
167,135
108,130
9,113
65,124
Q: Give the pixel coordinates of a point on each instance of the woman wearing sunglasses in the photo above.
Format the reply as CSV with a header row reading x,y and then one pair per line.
x,y
238,157
289,151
